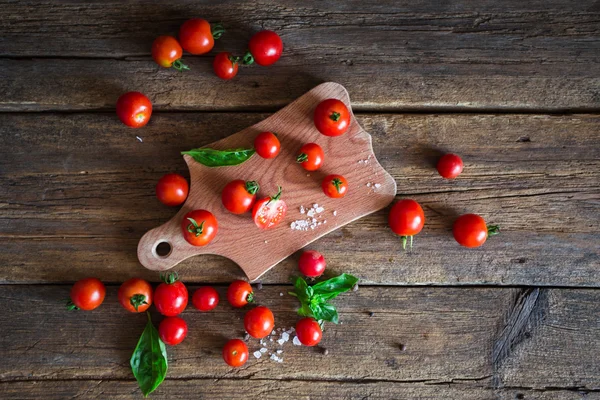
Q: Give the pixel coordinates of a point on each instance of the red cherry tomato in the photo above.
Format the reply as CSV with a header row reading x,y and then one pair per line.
x,y
450,166
267,145
238,196
172,189
259,322
171,296
197,37
406,219
205,298
226,65
172,330
167,52
335,186
312,264
470,230
134,109
309,332
199,227
240,293
332,117
311,157
264,48
135,295
269,211
235,353
87,294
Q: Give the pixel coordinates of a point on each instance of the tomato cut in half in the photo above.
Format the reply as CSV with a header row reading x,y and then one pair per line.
x,y
269,211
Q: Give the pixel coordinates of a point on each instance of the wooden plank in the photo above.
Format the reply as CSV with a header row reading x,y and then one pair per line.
x,y
81,194
522,55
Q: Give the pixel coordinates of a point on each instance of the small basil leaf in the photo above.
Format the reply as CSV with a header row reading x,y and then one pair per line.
x,y
326,312
337,285
301,289
149,360
219,158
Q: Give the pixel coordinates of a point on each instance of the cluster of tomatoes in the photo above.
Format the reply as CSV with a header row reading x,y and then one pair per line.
x,y
406,217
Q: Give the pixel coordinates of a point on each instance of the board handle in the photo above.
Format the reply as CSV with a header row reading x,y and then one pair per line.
x,y
162,248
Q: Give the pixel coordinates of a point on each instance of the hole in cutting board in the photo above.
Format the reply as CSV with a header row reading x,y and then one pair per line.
x,y
163,249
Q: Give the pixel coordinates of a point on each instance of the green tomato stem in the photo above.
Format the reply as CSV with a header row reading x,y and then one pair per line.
x,y
180,66
217,30
247,59
493,230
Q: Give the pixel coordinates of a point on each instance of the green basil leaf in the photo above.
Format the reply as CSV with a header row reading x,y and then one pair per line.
x,y
334,286
301,289
149,360
324,312
219,158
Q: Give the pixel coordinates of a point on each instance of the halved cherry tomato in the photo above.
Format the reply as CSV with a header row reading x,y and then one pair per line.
x,y
167,52
134,109
226,65
172,189
172,330
269,211
259,322
450,166
205,298
470,230
332,117
309,332
312,264
311,156
86,294
171,296
235,353
406,219
199,227
267,145
135,295
264,48
238,196
240,293
197,37
335,186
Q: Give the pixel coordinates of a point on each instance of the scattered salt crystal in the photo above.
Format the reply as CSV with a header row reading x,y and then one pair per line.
x,y
281,341
271,339
285,336
281,294
263,350
368,184
279,351
320,209
377,185
266,241
296,341
275,358
302,210
325,221
311,212
315,205
335,213
262,342
257,354
139,138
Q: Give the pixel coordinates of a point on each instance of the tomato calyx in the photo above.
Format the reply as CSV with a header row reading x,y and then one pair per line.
x,y
234,59
252,187
217,30
180,66
404,239
250,297
302,157
169,278
248,59
493,230
337,183
276,197
335,116
194,228
137,300
71,306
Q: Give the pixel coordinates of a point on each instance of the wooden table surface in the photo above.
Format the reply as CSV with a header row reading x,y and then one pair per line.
x,y
511,86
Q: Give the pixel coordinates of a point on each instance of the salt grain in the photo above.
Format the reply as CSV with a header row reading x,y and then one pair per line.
x,y
257,354
377,185
279,351
280,294
285,336
335,213
281,341
302,210
139,138
263,350
296,341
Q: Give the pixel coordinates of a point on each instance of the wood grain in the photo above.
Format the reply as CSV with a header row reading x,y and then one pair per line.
x,y
237,237
80,194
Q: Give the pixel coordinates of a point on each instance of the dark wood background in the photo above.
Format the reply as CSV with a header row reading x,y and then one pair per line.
x,y
512,86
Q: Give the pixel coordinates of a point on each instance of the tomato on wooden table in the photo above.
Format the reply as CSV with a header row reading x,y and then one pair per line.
x,y
332,117
238,196
166,52
235,353
239,293
198,37
226,65
172,189
269,211
267,145
470,230
135,295
312,264
450,166
199,227
406,219
311,157
308,331
134,109
335,186
172,330
264,48
171,296
87,294
259,322
205,298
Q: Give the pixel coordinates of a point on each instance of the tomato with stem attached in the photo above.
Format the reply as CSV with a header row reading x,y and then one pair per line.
x,y
171,296
199,227
332,117
335,186
166,52
312,264
264,48
309,331
172,330
172,189
226,65
239,293
198,37
267,145
406,219
135,295
235,353
470,230
259,322
238,196
269,211
311,157
134,109
205,298
450,166
86,294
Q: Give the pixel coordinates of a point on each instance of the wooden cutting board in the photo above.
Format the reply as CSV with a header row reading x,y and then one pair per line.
x,y
256,251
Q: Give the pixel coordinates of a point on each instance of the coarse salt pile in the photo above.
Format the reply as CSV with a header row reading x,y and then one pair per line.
x,y
276,354
312,220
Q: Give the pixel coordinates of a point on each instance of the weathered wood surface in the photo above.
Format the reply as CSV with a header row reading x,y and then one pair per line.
x,y
80,193
426,55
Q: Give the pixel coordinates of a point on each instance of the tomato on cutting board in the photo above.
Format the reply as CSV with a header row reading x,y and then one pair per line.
x,y
171,296
238,196
259,322
172,189
335,186
198,37
235,353
166,52
311,157
135,295
134,109
470,230
332,117
264,48
406,219
267,145
199,227
269,211
86,294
